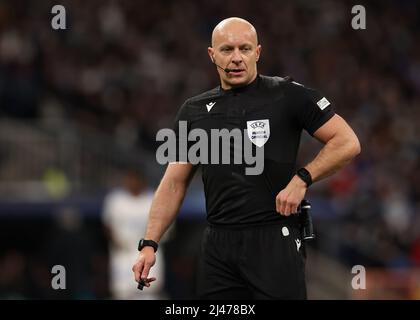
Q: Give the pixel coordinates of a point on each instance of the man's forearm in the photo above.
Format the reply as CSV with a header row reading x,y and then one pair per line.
x,y
165,206
335,154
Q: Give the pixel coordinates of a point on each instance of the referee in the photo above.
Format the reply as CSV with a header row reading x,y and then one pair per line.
x,y
251,248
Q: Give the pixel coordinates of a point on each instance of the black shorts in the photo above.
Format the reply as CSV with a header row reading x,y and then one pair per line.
x,y
258,262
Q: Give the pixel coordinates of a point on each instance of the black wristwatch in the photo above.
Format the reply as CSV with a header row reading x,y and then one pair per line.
x,y
147,243
305,175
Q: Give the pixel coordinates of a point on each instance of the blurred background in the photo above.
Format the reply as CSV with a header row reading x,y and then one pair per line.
x,y
80,108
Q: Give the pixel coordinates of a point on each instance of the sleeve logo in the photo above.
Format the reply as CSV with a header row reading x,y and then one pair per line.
x,y
323,103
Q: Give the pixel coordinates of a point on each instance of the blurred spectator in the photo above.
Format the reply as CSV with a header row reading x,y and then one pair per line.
x,y
125,215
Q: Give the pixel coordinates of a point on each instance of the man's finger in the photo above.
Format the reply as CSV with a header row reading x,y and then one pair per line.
x,y
287,209
137,275
146,270
145,283
283,208
148,281
294,210
277,205
293,207
137,268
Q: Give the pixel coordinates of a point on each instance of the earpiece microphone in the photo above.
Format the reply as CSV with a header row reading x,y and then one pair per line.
x,y
227,70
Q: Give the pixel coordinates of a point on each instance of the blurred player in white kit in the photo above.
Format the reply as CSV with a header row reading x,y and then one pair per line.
x,y
125,214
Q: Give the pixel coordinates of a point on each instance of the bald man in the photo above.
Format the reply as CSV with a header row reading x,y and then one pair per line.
x,y
252,247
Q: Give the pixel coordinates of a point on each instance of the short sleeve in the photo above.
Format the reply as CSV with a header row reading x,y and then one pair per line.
x,y
314,110
181,128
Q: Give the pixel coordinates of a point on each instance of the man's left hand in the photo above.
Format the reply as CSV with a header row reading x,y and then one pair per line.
x,y
288,199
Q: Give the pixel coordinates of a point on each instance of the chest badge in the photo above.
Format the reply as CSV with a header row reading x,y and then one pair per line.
x,y
258,131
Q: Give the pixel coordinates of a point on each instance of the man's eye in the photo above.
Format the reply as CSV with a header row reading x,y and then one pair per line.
x,y
246,49
226,49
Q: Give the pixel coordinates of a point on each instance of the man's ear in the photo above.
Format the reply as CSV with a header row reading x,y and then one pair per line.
x,y
210,52
258,52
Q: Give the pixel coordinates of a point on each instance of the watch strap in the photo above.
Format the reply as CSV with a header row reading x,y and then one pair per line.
x,y
147,243
305,175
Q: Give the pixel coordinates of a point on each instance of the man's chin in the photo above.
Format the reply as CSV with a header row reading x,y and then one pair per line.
x,y
238,82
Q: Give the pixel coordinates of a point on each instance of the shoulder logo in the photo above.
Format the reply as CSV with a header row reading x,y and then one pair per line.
x,y
258,131
210,105
323,103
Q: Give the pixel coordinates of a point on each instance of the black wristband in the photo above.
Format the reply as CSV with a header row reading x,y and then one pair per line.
x,y
147,243
305,175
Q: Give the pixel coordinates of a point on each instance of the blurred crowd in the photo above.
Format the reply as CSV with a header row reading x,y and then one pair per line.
x,y
125,67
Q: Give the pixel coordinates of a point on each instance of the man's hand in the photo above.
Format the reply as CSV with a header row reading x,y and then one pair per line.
x,y
142,266
288,199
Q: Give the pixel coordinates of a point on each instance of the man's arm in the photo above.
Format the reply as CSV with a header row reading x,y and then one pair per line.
x,y
341,146
165,206
168,199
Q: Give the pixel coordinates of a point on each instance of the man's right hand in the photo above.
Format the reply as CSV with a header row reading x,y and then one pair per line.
x,y
162,213
144,262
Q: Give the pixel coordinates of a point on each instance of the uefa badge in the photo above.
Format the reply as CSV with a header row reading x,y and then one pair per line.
x,y
258,131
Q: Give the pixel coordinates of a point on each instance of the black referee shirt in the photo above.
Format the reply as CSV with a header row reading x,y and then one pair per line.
x,y
232,197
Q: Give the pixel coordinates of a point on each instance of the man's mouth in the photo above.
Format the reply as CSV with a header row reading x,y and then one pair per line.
x,y
236,71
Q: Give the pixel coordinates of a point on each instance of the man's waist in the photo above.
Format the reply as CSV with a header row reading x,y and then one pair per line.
x,y
291,220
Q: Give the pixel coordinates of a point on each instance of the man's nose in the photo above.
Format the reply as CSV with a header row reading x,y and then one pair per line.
x,y
236,57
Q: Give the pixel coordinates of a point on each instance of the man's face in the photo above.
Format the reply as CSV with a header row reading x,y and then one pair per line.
x,y
234,46
133,183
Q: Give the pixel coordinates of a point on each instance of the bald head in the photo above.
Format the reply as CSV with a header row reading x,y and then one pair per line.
x,y
235,50
230,28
